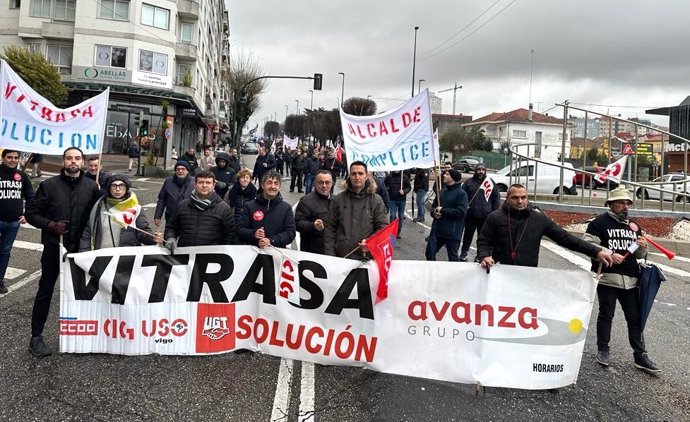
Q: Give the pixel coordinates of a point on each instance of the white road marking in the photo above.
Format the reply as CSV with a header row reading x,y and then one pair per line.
x,y
18,285
11,273
27,245
585,264
677,258
671,270
281,401
307,412
151,205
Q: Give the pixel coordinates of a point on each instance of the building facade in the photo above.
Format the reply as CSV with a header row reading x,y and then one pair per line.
x,y
540,134
163,59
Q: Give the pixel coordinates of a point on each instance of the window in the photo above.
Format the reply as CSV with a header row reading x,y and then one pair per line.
x,y
56,9
15,4
114,9
181,71
153,62
60,56
110,56
186,32
34,47
519,133
524,171
155,16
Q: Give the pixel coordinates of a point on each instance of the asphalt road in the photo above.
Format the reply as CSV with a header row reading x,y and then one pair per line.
x,y
249,387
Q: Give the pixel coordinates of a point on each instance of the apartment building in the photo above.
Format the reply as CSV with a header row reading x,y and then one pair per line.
x,y
165,59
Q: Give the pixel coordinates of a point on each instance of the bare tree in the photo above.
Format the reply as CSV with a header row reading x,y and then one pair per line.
x,y
241,105
296,125
271,129
357,106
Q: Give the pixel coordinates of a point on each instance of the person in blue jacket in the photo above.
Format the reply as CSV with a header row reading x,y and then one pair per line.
x,y
449,218
175,189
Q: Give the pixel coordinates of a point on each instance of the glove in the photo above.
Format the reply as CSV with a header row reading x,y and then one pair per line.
x,y
171,244
57,227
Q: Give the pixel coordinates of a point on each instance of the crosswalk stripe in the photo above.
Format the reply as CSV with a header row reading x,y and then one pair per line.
x,y
26,280
13,273
27,245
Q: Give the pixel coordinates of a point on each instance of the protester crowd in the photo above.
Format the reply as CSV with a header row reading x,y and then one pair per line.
x,y
211,200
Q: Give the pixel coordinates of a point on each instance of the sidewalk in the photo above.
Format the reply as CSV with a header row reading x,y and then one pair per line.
x,y
112,163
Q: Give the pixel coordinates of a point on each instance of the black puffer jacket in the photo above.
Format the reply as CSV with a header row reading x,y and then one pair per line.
x,y
63,198
311,207
193,227
421,180
225,175
479,207
525,228
275,216
393,185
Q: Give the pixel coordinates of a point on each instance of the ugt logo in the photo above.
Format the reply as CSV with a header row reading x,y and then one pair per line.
x,y
215,327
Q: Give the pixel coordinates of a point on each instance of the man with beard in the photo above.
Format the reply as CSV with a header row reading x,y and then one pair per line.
x,y
60,209
225,175
190,158
480,206
354,215
512,234
620,281
15,190
311,212
202,219
175,189
267,220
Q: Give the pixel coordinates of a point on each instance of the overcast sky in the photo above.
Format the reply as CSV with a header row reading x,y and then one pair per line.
x,y
623,56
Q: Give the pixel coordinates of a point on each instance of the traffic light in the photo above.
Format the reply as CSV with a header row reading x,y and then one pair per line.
x,y
138,118
144,128
318,79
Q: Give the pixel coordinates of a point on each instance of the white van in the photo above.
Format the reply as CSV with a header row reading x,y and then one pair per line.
x,y
548,177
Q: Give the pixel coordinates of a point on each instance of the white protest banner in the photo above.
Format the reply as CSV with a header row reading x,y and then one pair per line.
x,y
290,142
515,327
395,140
29,122
613,171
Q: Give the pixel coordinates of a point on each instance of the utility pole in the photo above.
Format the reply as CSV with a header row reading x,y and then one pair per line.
x,y
455,91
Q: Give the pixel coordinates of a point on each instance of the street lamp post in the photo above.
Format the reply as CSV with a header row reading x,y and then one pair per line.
x,y
286,109
414,57
297,107
419,85
342,89
311,102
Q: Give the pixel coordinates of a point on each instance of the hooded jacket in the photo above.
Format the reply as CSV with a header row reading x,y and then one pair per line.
x,y
275,216
352,217
63,198
453,210
225,175
524,228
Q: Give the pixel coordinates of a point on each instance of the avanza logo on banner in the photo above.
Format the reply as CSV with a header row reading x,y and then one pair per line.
x,y
515,327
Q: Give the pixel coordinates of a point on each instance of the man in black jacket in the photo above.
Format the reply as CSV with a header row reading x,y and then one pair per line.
x,y
264,163
175,188
449,218
311,166
267,220
60,209
202,219
512,234
297,168
15,190
479,206
311,212
225,175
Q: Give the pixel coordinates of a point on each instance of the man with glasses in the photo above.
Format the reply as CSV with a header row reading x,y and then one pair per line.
x,y
61,210
620,281
15,189
311,212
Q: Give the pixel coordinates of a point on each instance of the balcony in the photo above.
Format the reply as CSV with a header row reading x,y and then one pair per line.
x,y
57,30
185,51
188,9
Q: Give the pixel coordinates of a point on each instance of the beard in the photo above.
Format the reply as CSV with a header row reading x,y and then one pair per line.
x,y
623,215
480,176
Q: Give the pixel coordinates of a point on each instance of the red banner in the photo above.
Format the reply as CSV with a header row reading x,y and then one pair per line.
x,y
381,246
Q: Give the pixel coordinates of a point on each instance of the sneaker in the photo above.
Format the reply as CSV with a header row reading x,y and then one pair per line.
x,y
463,257
603,357
3,288
39,348
644,363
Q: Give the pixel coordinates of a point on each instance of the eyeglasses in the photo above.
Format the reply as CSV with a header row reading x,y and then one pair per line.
x,y
117,185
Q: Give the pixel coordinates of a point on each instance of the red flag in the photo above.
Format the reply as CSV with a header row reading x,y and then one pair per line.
x,y
338,154
380,246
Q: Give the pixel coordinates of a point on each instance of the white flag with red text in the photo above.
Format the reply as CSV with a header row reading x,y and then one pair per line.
x,y
487,187
613,171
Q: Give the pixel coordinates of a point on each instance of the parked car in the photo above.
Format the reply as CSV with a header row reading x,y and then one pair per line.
x,y
673,182
466,165
588,178
472,157
249,148
547,177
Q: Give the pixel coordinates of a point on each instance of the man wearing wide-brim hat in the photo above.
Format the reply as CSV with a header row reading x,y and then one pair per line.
x,y
619,282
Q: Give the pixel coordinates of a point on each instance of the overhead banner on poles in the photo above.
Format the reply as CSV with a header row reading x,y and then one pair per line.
x,y
395,140
441,320
29,122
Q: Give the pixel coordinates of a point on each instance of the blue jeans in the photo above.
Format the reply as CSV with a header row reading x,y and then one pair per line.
x,y
398,207
419,198
308,183
8,232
